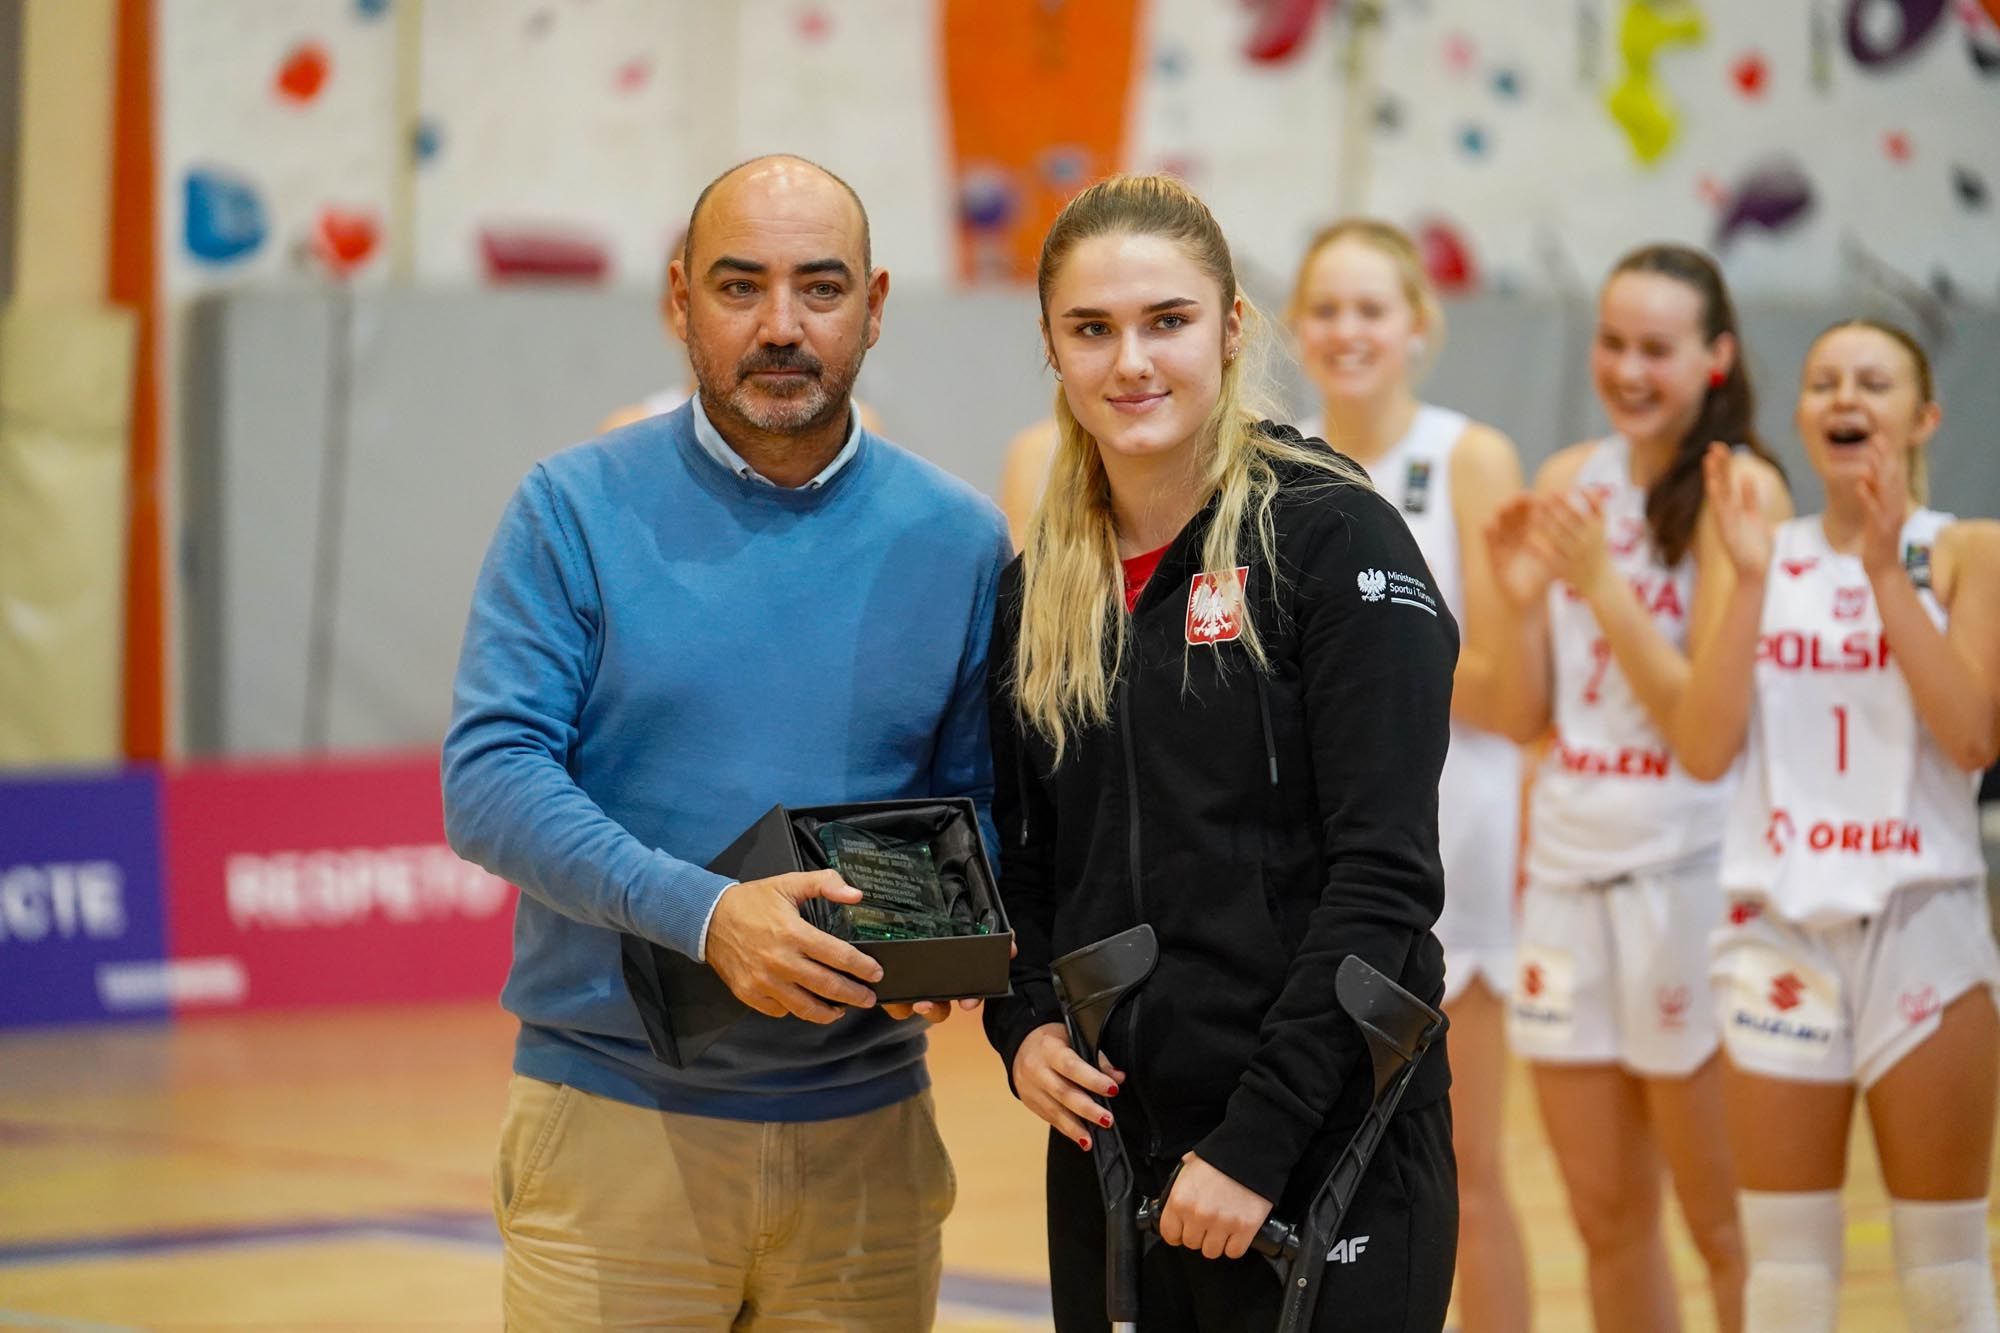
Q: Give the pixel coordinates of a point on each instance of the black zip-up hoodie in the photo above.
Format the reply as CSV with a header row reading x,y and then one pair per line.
x,y
1267,825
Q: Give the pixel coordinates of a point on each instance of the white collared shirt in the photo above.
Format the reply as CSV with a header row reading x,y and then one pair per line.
x,y
717,448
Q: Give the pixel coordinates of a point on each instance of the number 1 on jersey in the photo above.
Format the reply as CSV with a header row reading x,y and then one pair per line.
x,y
1840,738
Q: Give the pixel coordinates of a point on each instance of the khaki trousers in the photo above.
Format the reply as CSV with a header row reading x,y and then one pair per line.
x,y
614,1216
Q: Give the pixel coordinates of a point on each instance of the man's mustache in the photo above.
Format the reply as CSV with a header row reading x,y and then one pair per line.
x,y
779,359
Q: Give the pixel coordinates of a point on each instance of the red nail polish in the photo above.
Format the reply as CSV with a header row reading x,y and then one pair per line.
x,y
1111,1091
1083,1144
1105,1121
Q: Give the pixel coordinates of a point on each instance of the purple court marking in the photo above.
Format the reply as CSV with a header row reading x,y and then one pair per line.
x,y
303,1159
978,1291
1000,1295
52,1324
474,1229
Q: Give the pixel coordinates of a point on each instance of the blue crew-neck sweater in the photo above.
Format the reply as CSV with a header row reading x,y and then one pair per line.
x,y
658,652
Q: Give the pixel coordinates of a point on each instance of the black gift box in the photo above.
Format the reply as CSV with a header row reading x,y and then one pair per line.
x,y
685,1005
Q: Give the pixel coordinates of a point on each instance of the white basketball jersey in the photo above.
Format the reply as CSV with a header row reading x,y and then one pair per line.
x,y
1846,797
1610,798
1479,823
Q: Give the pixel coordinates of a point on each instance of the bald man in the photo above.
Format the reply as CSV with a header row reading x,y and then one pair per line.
x,y
662,401
749,600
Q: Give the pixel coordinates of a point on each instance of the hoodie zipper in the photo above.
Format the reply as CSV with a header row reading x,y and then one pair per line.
x,y
1138,898
1021,787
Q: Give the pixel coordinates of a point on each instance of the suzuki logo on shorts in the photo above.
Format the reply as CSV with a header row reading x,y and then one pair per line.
x,y
1347,1251
1778,834
1531,979
1373,583
1787,992
1215,607
1849,603
1919,1004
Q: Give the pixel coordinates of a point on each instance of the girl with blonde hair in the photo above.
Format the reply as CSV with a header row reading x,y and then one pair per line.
x,y
1367,323
1220,691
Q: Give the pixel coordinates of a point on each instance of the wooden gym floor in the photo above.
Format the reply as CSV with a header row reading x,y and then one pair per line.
x,y
330,1171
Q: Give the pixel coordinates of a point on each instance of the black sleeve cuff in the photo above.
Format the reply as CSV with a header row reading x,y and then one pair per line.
x,y
1009,1021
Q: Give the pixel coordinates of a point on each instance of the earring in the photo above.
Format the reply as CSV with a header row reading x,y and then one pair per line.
x,y
1058,374
1717,378
1418,346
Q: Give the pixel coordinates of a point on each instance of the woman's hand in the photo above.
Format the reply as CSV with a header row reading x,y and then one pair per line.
x,y
1054,1082
1210,1212
1523,565
1573,529
1739,513
1885,498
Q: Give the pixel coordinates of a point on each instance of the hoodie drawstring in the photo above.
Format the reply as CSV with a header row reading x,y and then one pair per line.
x,y
1264,712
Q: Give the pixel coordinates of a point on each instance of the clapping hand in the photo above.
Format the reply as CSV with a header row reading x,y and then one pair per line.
x,y
1523,563
1739,517
1885,500
1572,527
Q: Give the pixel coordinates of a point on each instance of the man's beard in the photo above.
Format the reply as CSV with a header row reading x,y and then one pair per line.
x,y
784,407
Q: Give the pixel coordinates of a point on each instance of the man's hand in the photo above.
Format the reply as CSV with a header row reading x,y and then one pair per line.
x,y
777,963
1210,1212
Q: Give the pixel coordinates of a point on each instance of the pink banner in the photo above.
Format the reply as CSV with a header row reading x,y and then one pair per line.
x,y
298,884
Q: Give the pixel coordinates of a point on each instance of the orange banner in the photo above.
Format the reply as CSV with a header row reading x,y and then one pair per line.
x,y
1039,92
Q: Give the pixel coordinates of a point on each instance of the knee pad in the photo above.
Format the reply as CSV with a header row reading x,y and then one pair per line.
x,y
1793,1242
1944,1265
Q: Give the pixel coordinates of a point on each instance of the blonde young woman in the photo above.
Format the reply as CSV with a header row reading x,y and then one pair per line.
x,y
1366,321
1853,666
1610,574
1221,695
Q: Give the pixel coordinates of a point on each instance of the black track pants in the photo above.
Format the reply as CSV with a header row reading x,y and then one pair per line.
x,y
1392,1273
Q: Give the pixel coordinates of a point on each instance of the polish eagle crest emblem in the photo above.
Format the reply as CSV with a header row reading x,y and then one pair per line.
x,y
1215,607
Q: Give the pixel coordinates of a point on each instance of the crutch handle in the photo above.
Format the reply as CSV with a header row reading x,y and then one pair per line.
x,y
1275,1240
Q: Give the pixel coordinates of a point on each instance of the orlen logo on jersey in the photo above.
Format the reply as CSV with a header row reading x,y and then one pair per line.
x,y
1778,834
64,900
1626,762
1794,650
307,890
1827,835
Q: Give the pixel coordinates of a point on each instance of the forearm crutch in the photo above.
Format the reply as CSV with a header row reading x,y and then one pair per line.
x,y
1398,1028
1091,983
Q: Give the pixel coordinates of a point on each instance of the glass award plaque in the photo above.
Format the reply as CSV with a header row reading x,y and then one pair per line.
x,y
903,896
